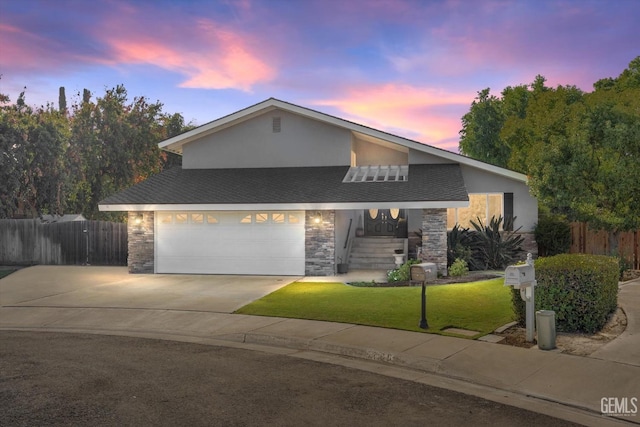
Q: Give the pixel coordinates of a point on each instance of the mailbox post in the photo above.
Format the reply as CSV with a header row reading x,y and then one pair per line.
x,y
422,273
523,277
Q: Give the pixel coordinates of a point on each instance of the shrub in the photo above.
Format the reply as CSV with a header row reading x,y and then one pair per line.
x,y
403,273
493,248
553,235
458,268
458,245
623,265
581,289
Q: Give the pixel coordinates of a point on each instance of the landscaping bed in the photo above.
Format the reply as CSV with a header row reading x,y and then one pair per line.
x,y
474,276
578,344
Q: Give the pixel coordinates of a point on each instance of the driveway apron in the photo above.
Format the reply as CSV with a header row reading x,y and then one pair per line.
x,y
114,287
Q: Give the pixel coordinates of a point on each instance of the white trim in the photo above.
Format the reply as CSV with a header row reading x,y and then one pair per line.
x,y
175,144
285,206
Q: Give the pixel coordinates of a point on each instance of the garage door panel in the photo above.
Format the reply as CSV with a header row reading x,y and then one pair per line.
x,y
222,244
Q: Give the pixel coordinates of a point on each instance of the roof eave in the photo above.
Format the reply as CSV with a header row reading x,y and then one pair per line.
x,y
439,204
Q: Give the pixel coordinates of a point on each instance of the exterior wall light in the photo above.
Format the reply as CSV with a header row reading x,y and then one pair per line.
x,y
316,217
138,219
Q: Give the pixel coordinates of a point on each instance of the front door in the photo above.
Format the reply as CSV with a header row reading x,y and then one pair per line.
x,y
385,222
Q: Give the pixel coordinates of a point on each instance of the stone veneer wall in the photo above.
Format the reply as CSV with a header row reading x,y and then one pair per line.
x,y
434,238
319,244
141,239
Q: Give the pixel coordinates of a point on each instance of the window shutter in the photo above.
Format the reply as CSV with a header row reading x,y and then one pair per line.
x,y
508,211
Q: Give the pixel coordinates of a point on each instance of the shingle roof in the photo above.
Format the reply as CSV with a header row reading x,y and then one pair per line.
x,y
433,182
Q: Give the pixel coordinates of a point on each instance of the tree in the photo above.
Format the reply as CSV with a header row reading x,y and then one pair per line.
x,y
62,101
591,171
33,145
580,150
480,134
55,161
116,146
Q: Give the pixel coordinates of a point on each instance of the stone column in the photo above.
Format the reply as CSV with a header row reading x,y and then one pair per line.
x,y
319,243
434,238
141,243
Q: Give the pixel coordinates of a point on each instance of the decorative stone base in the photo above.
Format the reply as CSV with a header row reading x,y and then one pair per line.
x,y
434,238
319,243
141,243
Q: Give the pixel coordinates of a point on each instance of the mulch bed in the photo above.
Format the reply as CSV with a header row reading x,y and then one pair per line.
x,y
471,277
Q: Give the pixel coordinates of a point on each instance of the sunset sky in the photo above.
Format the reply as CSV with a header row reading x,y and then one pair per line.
x,y
407,67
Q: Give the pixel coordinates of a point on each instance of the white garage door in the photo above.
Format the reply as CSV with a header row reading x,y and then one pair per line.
x,y
219,242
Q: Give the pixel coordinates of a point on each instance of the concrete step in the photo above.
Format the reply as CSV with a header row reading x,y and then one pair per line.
x,y
374,253
371,266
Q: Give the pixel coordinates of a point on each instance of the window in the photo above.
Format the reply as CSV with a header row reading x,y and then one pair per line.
x,y
278,218
293,219
483,206
166,218
212,219
247,219
262,218
377,174
181,218
197,218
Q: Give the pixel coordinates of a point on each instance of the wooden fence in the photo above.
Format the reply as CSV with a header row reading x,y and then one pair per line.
x,y
587,241
29,242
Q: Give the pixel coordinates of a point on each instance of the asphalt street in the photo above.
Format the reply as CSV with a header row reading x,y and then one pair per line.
x,y
79,379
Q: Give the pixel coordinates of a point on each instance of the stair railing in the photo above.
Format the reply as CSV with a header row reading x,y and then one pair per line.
x,y
347,243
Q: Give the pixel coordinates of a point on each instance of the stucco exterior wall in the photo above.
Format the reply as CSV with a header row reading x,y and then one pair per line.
x,y
525,206
418,157
253,144
368,153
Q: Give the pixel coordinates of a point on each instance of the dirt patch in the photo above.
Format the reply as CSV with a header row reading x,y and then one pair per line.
x,y
471,277
630,275
572,343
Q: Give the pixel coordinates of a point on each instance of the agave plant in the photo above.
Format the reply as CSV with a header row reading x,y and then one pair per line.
x,y
459,245
493,247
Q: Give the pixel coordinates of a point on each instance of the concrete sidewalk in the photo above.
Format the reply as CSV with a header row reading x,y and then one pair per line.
x,y
565,386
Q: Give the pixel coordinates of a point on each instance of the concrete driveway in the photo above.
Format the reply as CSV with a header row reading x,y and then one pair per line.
x,y
114,287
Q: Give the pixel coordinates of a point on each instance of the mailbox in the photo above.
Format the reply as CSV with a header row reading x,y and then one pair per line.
x,y
519,276
424,272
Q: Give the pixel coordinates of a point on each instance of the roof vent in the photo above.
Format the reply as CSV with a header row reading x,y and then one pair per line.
x,y
276,124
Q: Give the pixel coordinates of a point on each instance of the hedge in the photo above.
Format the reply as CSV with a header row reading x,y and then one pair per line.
x,y
581,289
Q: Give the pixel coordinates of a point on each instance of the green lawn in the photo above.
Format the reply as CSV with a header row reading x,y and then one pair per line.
x,y
479,306
6,272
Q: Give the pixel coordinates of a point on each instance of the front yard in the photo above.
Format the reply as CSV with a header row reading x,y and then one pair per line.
x,y
478,306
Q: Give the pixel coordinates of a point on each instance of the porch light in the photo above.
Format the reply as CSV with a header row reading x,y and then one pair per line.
x,y
138,219
317,219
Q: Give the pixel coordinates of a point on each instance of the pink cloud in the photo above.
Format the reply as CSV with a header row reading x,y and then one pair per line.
x,y
425,114
209,55
23,50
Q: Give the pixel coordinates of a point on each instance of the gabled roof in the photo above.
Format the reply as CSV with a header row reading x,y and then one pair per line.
x,y
175,144
428,186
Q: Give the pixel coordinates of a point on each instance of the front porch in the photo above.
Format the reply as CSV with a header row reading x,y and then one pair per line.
x,y
368,239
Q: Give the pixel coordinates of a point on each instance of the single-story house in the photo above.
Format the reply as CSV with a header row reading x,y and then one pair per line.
x,y
279,189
